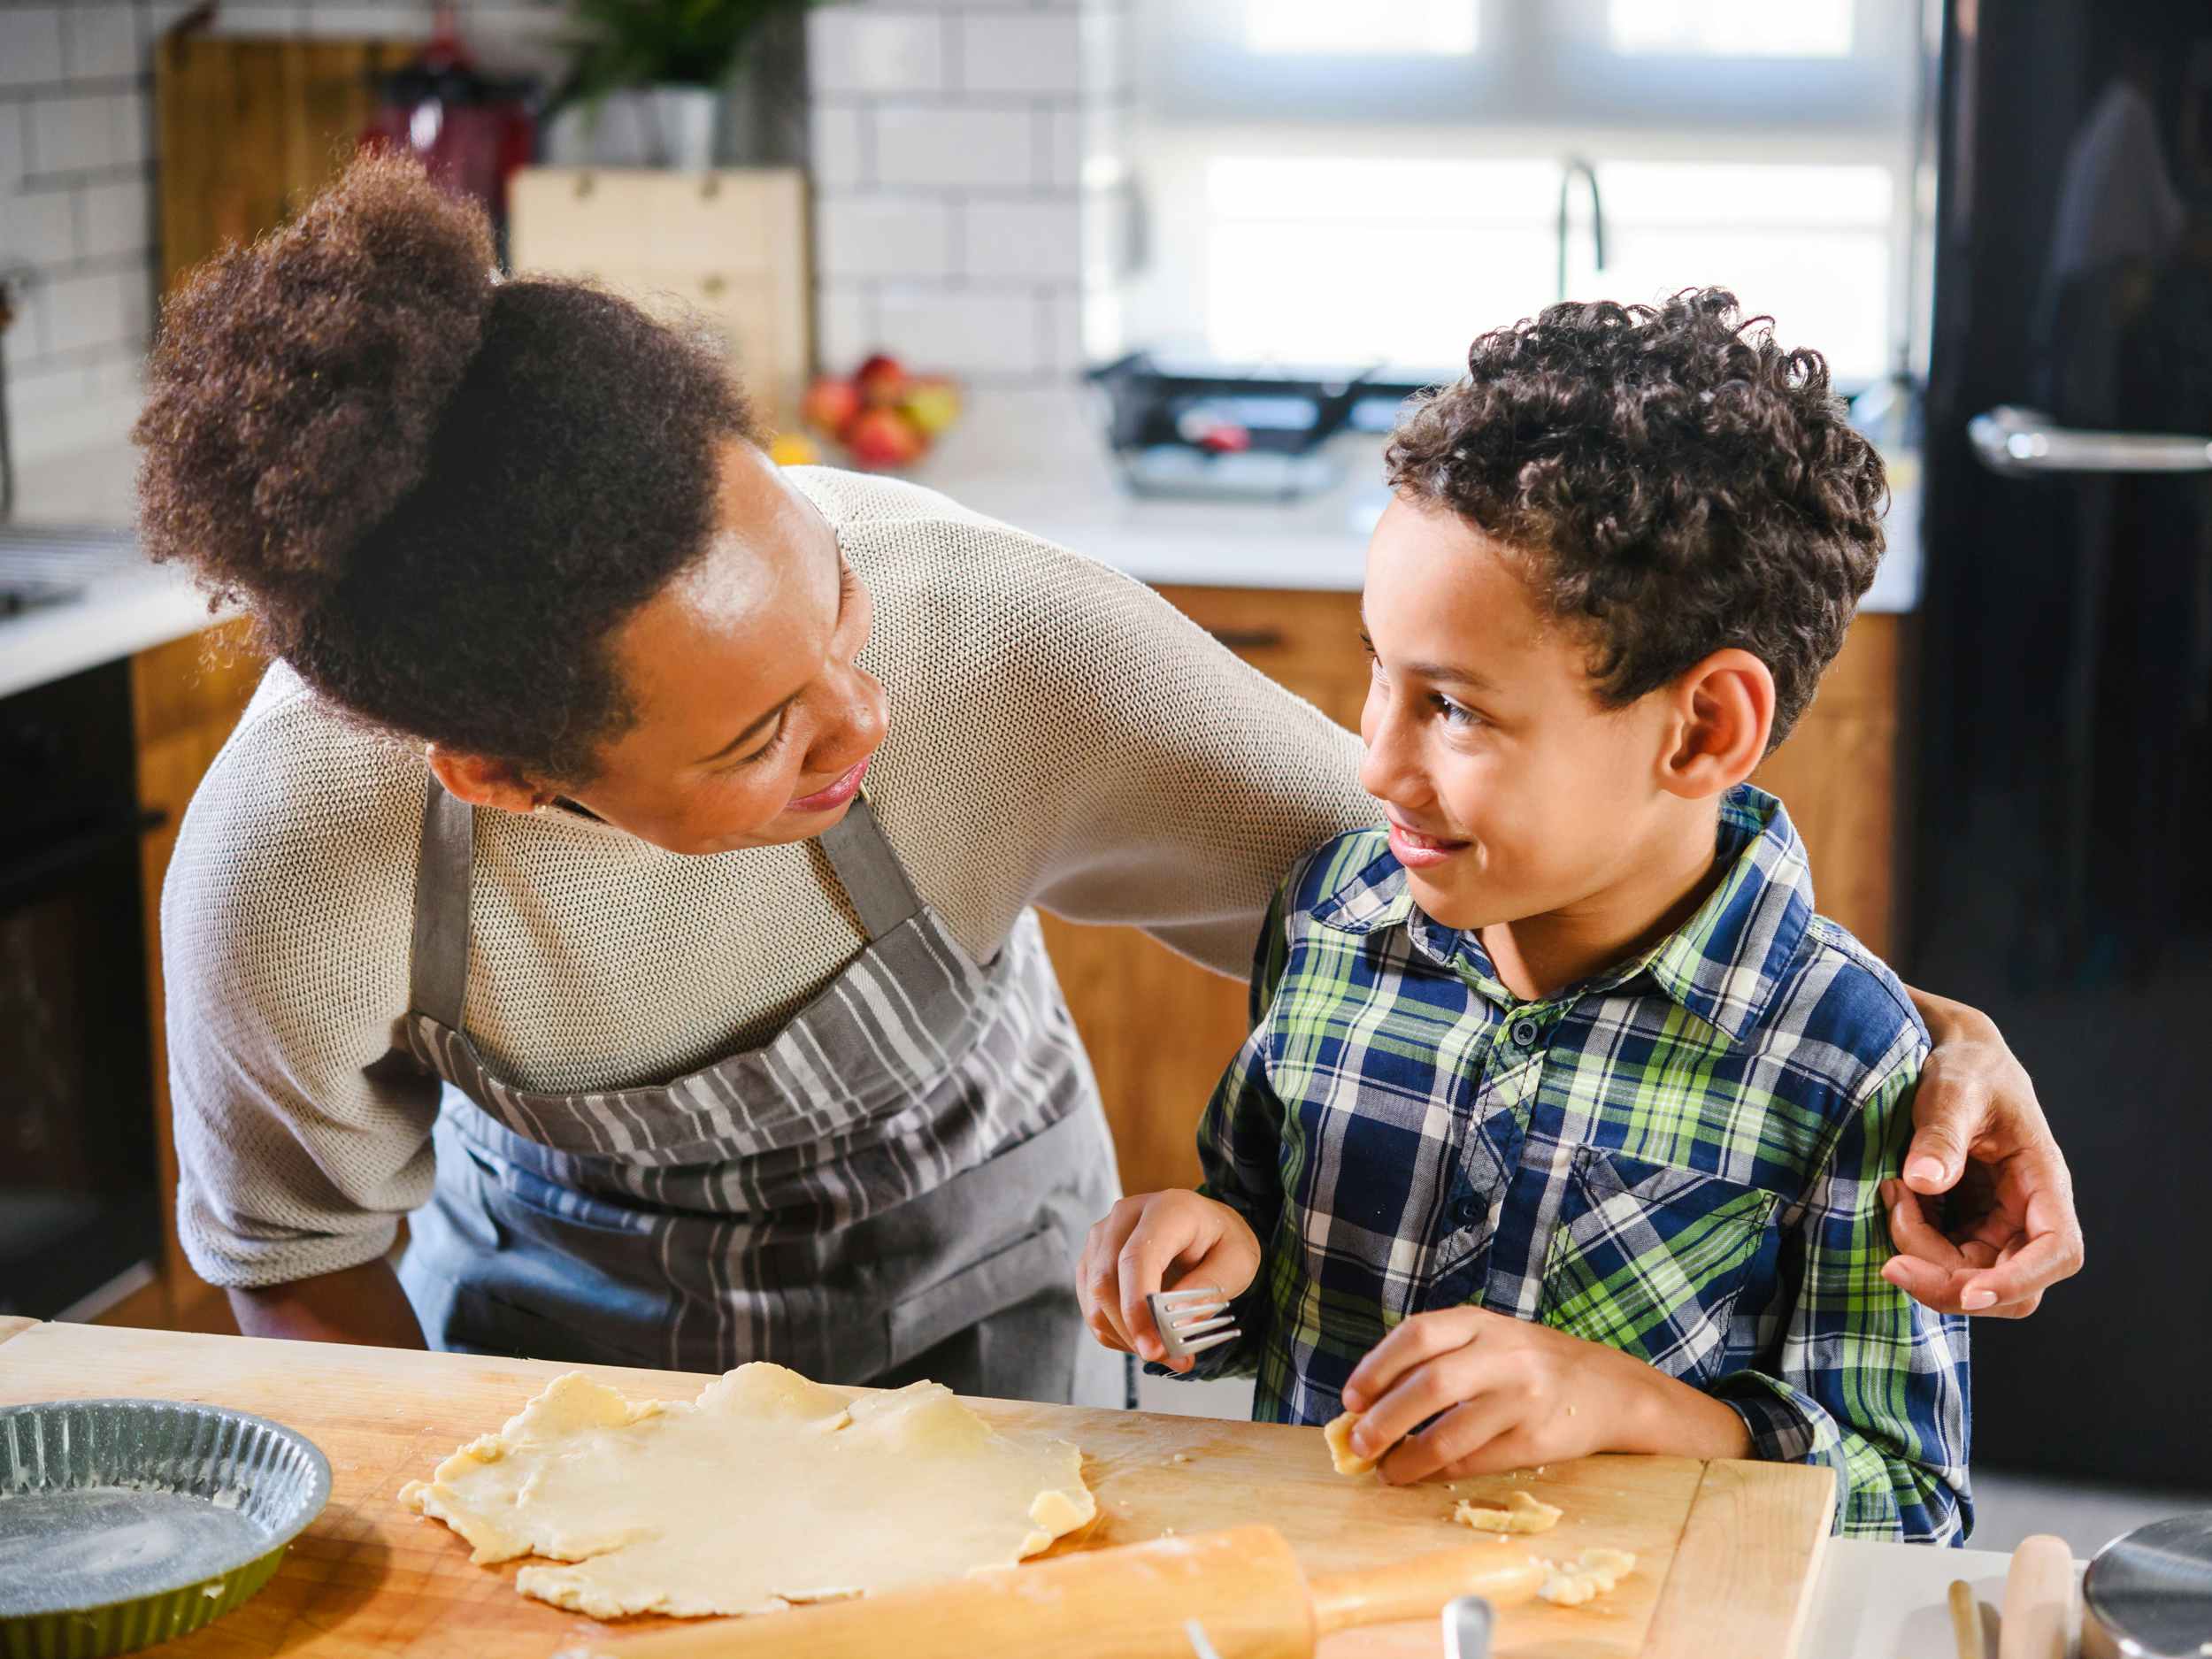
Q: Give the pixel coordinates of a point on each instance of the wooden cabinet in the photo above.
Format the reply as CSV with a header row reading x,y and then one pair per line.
x,y
185,698
1160,1030
730,245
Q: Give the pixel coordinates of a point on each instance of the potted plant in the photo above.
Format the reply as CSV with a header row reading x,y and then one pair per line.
x,y
651,75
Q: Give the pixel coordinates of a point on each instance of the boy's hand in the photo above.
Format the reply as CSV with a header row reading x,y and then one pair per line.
x,y
1515,1396
1157,1241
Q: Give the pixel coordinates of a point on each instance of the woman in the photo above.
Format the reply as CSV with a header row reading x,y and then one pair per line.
x,y
537,897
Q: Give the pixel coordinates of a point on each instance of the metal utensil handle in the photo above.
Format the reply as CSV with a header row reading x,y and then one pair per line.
x,y
2012,440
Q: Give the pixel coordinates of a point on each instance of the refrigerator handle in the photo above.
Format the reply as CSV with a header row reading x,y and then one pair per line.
x,y
2019,442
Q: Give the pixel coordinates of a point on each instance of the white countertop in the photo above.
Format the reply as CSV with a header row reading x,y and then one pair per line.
x,y
1034,459
1891,1601
1039,461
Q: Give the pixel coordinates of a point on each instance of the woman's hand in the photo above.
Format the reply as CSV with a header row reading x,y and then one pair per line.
x,y
1157,1241
1515,1396
1980,1137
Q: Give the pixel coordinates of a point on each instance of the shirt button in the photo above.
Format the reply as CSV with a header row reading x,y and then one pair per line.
x,y
1467,1211
1525,1032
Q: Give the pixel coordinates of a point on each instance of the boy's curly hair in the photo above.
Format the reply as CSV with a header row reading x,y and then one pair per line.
x,y
1677,481
439,492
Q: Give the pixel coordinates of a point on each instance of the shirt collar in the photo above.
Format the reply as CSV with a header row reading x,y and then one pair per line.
x,y
1724,964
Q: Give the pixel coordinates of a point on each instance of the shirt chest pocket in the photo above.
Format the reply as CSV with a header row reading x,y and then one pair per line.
x,y
1650,1259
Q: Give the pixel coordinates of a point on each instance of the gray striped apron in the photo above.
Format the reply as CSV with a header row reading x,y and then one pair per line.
x,y
894,1186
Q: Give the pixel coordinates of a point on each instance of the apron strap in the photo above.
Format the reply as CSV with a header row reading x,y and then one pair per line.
x,y
438,976
873,878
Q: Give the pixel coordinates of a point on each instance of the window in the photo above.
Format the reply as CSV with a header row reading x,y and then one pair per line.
x,y
1325,181
1412,27
1406,260
1731,28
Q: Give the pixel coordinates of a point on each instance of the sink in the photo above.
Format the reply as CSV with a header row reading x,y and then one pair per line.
x,y
45,565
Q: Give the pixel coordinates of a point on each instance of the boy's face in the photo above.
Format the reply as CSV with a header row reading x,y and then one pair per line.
x,y
1511,791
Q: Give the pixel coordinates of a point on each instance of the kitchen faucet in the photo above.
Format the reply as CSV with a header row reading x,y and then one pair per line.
x,y
1569,169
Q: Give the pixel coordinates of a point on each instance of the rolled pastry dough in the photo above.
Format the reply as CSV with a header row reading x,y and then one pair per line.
x,y
1592,1573
768,1490
1338,1432
1523,1512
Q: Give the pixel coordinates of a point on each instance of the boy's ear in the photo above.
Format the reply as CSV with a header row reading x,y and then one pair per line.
x,y
481,781
1721,711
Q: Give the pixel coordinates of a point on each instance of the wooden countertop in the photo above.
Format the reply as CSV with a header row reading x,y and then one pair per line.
x,y
1727,1553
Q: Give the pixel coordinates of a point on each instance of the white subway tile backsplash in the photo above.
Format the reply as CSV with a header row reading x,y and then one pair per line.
x,y
1038,240
837,144
91,311
115,218
1109,38
336,20
1064,331
1034,55
69,133
966,332
13,162
954,143
156,17
951,148
875,52
884,236
30,45
38,228
131,129
34,391
99,41
845,329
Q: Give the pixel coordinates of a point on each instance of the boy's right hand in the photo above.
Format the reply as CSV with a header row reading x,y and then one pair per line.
x,y
1159,1241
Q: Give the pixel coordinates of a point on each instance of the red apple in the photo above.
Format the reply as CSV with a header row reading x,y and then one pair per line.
x,y
881,379
829,405
883,437
932,403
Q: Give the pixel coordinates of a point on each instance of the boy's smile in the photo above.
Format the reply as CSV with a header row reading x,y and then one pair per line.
x,y
1517,802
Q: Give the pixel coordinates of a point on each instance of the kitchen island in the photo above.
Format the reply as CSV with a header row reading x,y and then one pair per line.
x,y
369,1577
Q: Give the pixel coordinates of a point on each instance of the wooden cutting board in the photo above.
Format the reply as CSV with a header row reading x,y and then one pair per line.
x,y
249,128
1726,1552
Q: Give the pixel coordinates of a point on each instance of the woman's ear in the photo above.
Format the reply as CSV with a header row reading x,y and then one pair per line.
x,y
484,782
1724,711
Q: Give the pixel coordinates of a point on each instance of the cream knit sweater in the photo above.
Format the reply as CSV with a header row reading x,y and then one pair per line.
x,y
1059,736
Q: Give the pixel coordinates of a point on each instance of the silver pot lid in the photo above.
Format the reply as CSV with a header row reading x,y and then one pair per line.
x,y
2152,1589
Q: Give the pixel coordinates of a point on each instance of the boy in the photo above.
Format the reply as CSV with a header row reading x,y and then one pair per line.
x,y
1566,1126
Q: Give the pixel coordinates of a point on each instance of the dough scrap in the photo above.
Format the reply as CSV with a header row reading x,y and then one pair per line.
x,y
1592,1573
1523,1512
1339,1433
766,1491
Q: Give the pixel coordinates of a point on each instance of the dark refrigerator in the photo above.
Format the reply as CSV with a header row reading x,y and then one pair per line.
x,y
2061,842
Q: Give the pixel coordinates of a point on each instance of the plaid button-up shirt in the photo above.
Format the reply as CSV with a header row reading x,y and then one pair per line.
x,y
1680,1157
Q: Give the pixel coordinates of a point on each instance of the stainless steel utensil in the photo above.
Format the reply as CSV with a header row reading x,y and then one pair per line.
x,y
1191,1321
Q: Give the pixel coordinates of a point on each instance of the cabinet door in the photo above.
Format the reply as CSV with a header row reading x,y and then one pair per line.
x,y
185,697
1838,776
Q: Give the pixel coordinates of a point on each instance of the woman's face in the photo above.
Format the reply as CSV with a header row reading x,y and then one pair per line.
x,y
754,722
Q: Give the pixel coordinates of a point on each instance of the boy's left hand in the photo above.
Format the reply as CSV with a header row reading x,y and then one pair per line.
x,y
1513,1395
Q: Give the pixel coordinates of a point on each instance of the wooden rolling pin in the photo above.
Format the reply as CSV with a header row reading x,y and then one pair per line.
x,y
2038,1600
1242,1586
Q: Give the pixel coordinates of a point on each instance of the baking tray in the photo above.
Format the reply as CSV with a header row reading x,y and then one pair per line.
x,y
127,1522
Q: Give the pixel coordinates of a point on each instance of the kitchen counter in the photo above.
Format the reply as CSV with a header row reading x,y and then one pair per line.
x,y
368,1578
120,614
1036,460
